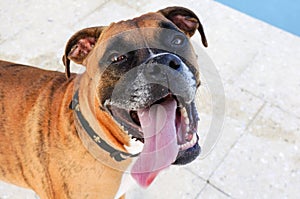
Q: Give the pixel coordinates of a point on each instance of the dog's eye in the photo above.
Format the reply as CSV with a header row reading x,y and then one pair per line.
x,y
115,58
178,40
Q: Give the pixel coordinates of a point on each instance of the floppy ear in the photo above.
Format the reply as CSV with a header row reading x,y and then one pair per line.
x,y
186,20
80,45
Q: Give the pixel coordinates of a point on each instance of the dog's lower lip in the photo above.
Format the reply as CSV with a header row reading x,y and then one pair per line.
x,y
188,155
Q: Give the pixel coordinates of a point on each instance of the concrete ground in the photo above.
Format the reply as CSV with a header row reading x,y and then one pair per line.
x,y
258,153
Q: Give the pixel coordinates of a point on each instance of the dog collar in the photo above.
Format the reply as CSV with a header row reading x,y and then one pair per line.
x,y
114,153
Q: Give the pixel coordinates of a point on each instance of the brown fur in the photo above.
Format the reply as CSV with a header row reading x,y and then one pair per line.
x,y
39,146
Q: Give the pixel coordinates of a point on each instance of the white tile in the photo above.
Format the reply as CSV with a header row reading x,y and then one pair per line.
x,y
17,15
257,168
265,162
176,182
274,73
275,124
231,44
37,46
210,192
199,7
9,191
110,12
40,30
205,166
241,107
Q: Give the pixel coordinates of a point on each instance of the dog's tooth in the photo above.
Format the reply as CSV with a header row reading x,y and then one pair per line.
x,y
187,121
190,144
182,147
121,127
194,140
187,129
182,110
106,103
135,146
184,113
186,146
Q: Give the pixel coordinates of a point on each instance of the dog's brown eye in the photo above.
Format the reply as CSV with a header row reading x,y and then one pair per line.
x,y
117,58
178,40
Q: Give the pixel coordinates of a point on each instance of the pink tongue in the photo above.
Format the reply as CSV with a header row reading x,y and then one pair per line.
x,y
160,142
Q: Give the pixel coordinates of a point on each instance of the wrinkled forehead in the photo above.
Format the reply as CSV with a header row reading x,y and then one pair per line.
x,y
140,27
151,30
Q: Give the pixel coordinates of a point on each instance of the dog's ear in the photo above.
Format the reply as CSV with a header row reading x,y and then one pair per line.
x,y
80,45
186,20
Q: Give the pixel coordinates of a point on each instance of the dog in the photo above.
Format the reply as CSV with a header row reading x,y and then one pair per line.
x,y
132,111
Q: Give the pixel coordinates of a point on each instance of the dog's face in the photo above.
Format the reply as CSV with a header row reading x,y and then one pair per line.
x,y
146,66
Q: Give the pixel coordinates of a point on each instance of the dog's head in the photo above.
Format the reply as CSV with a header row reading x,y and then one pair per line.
x,y
146,76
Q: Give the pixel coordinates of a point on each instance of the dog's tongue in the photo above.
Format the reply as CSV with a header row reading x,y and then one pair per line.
x,y
160,141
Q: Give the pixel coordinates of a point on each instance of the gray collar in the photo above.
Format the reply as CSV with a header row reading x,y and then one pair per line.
x,y
114,153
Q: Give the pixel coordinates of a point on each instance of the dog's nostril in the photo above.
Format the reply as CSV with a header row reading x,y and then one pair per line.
x,y
174,64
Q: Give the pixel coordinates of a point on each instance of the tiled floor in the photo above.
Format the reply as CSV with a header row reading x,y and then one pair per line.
x,y
258,153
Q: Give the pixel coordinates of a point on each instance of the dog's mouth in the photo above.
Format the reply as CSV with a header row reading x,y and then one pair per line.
x,y
154,104
185,122
168,130
185,131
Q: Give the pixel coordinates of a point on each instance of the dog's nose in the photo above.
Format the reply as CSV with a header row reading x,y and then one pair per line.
x,y
167,59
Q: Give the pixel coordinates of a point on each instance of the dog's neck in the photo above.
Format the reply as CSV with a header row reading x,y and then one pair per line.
x,y
97,140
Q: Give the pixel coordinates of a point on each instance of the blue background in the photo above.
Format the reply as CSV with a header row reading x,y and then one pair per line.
x,y
284,14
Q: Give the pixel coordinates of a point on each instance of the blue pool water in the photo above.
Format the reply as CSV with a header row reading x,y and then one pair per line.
x,y
284,14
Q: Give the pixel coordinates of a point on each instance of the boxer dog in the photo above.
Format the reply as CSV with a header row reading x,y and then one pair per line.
x,y
76,135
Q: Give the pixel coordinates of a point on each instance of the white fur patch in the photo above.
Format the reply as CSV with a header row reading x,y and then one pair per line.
x,y
127,181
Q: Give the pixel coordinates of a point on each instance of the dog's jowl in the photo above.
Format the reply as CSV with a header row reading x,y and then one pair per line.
x,y
132,112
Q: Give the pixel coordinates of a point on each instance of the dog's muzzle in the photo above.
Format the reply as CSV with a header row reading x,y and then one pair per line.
x,y
162,77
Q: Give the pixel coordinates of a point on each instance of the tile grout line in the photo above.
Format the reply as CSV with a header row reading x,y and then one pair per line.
x,y
255,115
249,123
234,144
218,189
194,173
271,103
199,193
241,72
207,182
285,111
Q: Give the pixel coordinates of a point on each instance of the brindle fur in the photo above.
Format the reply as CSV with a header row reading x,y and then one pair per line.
x,y
39,145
